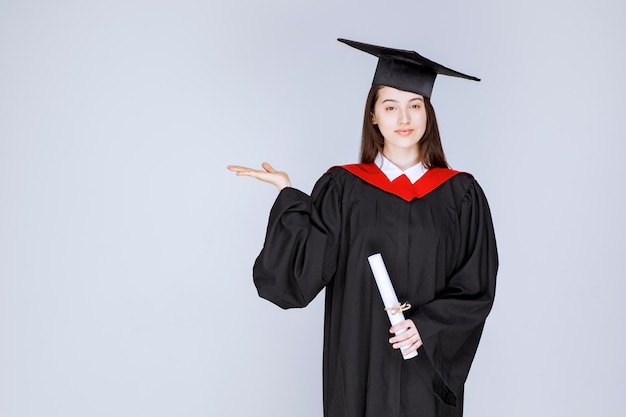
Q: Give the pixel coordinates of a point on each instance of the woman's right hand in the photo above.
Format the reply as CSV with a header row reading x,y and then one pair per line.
x,y
278,178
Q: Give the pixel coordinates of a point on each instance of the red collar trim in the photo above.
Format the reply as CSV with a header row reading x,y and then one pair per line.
x,y
402,186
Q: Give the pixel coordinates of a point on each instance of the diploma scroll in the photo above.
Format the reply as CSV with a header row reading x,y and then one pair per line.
x,y
388,294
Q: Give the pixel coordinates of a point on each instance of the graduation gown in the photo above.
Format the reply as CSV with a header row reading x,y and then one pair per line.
x,y
437,240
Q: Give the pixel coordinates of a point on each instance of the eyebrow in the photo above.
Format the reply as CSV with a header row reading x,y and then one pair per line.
x,y
396,101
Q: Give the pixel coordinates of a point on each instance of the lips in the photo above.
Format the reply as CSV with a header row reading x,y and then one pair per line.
x,y
404,132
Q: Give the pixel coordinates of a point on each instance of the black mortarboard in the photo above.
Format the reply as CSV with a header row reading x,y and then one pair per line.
x,y
405,70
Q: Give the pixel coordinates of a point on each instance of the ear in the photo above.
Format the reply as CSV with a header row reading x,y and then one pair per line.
x,y
373,119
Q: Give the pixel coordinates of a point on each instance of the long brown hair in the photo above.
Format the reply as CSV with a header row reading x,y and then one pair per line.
x,y
429,146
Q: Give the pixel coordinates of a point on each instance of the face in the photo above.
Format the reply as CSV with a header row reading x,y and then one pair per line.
x,y
401,118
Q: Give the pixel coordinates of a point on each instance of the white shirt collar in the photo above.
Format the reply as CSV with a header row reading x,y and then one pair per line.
x,y
392,171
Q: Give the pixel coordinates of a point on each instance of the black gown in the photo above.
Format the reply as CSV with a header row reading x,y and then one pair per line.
x,y
437,240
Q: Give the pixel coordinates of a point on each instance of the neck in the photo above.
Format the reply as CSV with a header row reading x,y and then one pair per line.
x,y
402,158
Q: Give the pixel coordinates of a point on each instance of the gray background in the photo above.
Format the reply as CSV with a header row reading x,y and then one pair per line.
x,y
126,247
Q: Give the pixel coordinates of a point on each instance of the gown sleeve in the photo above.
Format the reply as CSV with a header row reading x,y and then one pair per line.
x,y
451,325
299,256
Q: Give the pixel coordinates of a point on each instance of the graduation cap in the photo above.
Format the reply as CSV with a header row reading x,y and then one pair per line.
x,y
405,70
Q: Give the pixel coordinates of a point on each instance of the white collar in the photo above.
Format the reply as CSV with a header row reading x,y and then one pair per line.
x,y
392,171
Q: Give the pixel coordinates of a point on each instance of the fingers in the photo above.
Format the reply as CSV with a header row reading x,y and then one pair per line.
x,y
267,167
403,325
238,169
412,348
406,334
405,339
414,342
246,171
267,174
241,170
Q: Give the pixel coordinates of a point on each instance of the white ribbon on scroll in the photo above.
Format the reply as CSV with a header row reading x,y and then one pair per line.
x,y
388,294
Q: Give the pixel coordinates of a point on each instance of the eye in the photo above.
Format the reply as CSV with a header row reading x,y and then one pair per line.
x,y
416,106
389,108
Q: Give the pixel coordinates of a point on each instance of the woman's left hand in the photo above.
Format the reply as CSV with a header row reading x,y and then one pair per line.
x,y
410,337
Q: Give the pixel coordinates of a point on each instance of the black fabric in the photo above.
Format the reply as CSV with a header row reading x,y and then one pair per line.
x,y
405,70
440,252
404,76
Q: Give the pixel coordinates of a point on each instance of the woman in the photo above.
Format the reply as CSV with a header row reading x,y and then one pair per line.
x,y
432,226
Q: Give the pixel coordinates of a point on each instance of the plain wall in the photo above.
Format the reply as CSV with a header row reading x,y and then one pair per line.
x,y
126,247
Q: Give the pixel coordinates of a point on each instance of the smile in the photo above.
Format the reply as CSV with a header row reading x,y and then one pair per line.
x,y
404,132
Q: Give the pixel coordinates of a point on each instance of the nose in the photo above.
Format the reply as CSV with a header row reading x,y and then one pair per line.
x,y
404,117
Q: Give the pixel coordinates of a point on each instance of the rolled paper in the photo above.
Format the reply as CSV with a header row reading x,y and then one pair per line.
x,y
393,308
